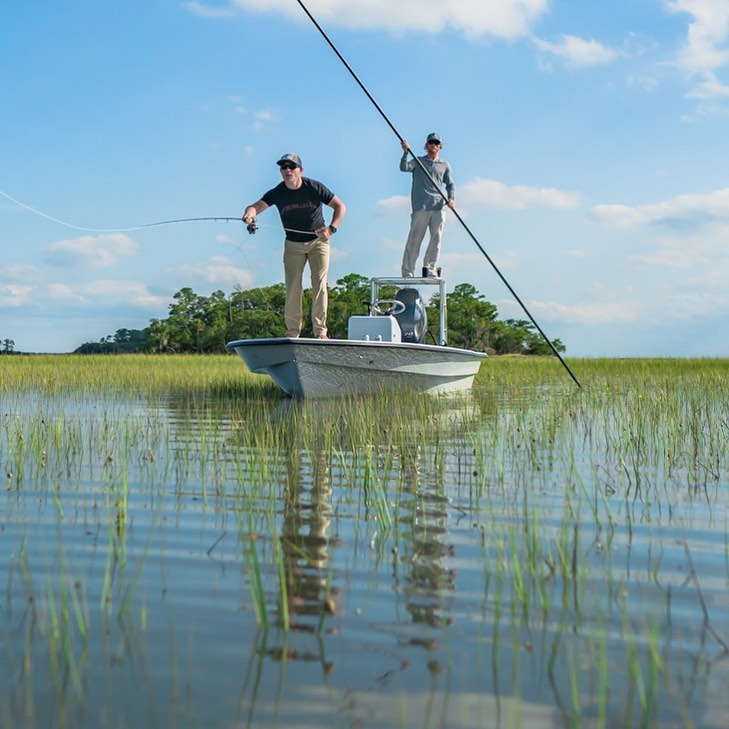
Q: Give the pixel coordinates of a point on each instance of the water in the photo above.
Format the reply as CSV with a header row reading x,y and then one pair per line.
x,y
172,563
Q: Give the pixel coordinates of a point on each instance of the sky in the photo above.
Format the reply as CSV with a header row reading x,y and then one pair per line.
x,y
587,139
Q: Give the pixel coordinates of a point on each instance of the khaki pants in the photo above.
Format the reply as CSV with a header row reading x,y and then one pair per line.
x,y
420,221
295,257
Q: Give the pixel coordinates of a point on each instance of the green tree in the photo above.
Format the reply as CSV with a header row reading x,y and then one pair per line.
x,y
258,313
348,297
124,340
519,336
205,324
217,316
470,319
195,323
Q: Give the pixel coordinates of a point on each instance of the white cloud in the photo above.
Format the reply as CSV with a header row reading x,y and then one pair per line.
x,y
576,52
595,312
707,89
61,293
647,83
205,10
667,258
338,255
692,305
461,266
495,194
106,294
500,18
13,296
91,251
695,231
394,205
704,250
129,293
711,279
21,272
264,117
630,309
217,272
694,209
705,50
260,118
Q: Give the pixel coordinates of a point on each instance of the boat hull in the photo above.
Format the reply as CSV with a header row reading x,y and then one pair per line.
x,y
320,368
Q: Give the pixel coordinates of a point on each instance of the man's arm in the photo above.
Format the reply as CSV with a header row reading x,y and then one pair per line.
x,y
406,165
249,215
340,209
450,187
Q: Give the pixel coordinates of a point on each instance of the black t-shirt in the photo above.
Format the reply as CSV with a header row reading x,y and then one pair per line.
x,y
300,209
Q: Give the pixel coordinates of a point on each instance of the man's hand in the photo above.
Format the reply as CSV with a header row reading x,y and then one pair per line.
x,y
323,233
249,218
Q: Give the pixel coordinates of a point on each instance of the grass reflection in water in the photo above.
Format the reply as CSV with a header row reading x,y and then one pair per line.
x,y
184,548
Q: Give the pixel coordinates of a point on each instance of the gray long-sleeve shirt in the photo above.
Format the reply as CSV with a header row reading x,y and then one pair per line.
x,y
423,195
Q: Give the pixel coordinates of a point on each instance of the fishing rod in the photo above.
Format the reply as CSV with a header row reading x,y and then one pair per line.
x,y
107,230
252,228
435,185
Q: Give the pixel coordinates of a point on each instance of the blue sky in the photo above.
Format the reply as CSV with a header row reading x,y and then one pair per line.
x,y
588,142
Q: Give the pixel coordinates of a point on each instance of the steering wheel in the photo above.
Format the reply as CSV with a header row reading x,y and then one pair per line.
x,y
388,307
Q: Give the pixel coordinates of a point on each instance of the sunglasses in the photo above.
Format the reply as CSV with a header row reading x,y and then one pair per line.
x,y
287,167
433,141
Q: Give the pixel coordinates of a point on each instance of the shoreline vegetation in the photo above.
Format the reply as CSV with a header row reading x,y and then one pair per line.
x,y
204,324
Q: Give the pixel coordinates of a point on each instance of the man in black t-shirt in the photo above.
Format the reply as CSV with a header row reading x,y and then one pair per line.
x,y
299,201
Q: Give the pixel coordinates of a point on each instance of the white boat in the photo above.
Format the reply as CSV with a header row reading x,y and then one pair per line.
x,y
384,351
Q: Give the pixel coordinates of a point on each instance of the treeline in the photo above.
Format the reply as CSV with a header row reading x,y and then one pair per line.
x,y
204,324
122,341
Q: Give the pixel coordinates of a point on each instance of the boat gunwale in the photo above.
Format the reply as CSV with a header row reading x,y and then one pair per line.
x,y
306,341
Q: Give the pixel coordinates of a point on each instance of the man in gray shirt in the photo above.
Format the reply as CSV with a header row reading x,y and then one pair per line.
x,y
427,203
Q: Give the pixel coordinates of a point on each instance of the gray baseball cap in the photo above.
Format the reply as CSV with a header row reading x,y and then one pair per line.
x,y
434,137
290,157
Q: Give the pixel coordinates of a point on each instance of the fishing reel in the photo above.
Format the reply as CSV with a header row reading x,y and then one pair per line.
x,y
251,228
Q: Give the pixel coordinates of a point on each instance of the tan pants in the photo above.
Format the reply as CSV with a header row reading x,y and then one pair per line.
x,y
295,257
422,221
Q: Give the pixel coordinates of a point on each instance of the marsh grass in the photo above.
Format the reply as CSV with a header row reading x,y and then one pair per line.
x,y
596,522
133,374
